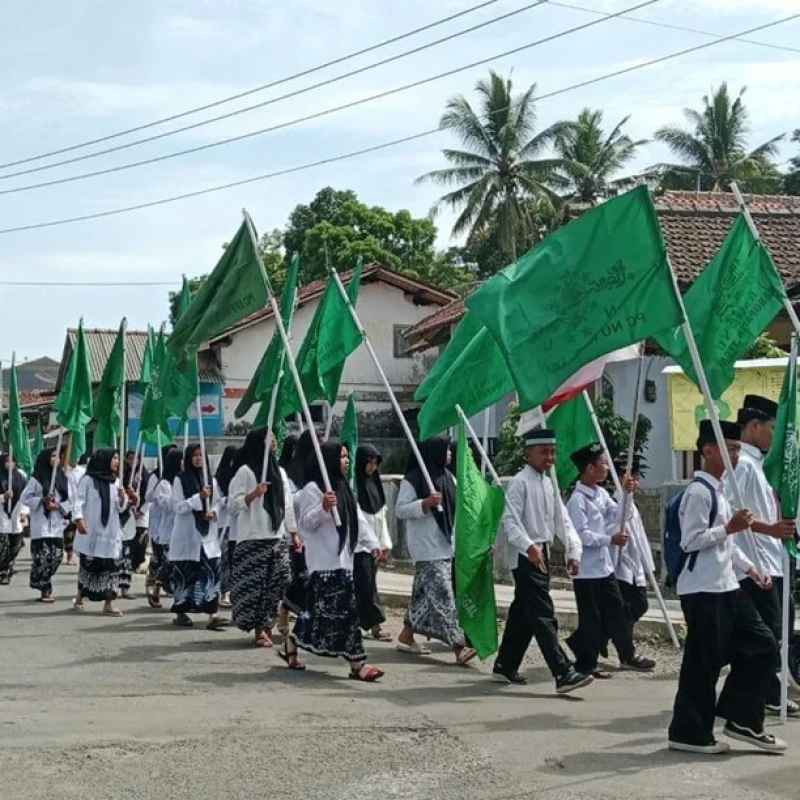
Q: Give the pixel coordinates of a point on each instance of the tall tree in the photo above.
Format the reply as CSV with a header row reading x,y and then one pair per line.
x,y
792,178
713,151
501,168
591,156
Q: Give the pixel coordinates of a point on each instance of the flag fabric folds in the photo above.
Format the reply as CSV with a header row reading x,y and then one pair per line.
x,y
237,287
735,297
782,463
17,430
349,433
74,405
600,283
38,441
572,422
180,379
147,358
155,417
479,508
108,401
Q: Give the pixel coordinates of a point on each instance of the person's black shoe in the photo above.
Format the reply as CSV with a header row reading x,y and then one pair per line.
x,y
508,677
639,663
183,621
761,740
572,680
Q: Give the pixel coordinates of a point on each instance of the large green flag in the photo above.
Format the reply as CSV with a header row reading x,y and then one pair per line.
x,y
237,287
782,463
476,379
74,404
330,339
108,400
147,358
572,422
479,508
349,433
469,327
268,372
155,417
735,297
17,430
180,380
598,284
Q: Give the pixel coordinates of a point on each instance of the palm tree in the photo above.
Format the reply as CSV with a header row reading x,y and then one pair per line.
x,y
792,177
592,158
499,174
714,152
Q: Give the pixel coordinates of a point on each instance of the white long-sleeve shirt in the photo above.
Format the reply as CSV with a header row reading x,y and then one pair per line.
x,y
10,523
320,536
424,538
759,497
100,541
596,518
533,515
717,553
162,515
636,558
380,527
42,525
253,521
186,542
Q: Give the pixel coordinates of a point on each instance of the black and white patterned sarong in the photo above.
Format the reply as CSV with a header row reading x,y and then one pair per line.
x,y
98,578
159,570
226,562
432,611
6,555
330,626
46,556
126,566
195,585
261,575
296,593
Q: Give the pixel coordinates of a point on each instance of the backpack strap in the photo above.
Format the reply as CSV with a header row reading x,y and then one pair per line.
x,y
692,560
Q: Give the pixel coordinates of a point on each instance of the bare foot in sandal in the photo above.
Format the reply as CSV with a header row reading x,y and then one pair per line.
x,y
289,656
110,610
381,635
366,673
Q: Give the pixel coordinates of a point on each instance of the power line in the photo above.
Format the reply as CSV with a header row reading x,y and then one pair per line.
x,y
318,114
271,101
255,90
85,284
681,28
382,146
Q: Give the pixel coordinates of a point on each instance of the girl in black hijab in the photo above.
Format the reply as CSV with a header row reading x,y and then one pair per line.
x,y
288,450
49,515
330,627
162,520
372,502
10,529
99,539
227,523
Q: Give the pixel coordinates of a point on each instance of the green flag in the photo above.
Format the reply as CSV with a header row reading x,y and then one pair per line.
x,y
108,401
154,416
782,463
269,368
349,433
74,404
479,508
2,397
735,297
469,327
38,441
598,284
236,288
476,379
17,430
147,358
572,422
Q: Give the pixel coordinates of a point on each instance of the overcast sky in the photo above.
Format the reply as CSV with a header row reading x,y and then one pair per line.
x,y
87,68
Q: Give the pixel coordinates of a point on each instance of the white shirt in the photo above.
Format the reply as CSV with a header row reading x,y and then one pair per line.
x,y
100,541
424,538
42,525
380,527
532,516
149,498
186,541
636,558
11,523
759,497
320,536
716,552
596,518
253,521
162,517
74,476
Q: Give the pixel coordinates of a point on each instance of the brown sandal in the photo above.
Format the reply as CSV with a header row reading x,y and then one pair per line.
x,y
366,673
263,641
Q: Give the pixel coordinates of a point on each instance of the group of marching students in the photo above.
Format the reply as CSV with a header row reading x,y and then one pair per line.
x,y
261,537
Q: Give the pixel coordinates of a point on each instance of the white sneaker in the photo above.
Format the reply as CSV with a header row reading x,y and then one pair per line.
x,y
792,709
715,748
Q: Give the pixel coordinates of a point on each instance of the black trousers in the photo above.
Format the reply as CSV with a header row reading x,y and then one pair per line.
x,y
601,616
635,601
723,628
365,583
769,607
531,615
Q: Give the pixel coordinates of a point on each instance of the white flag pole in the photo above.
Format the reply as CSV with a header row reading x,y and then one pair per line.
x,y
295,375
641,545
59,442
481,451
329,421
122,402
185,435
160,454
392,399
485,443
139,459
10,446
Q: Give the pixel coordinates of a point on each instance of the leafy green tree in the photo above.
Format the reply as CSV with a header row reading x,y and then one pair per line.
x,y
764,347
792,177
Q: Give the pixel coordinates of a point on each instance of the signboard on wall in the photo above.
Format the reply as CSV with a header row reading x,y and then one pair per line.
x,y
686,408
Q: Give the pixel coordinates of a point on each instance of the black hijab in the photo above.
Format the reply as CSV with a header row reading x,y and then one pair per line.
x,y
165,451
287,451
434,456
192,484
251,455
17,484
43,473
297,470
225,470
173,461
99,470
371,498
346,503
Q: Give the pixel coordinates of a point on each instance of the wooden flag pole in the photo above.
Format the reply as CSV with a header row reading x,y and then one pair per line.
x,y
273,304
641,545
392,399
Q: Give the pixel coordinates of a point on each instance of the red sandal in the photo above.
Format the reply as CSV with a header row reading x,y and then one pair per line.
x,y
366,673
290,659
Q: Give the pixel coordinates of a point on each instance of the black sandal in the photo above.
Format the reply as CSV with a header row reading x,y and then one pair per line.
x,y
152,602
290,659
217,624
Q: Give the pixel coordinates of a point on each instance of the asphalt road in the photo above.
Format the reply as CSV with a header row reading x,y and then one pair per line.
x,y
92,707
